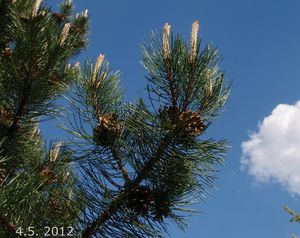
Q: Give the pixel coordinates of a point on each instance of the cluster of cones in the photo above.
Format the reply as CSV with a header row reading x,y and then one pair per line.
x,y
144,201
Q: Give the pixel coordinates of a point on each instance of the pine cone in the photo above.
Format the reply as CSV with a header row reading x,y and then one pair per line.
x,y
7,52
140,199
193,125
6,117
108,130
48,175
188,121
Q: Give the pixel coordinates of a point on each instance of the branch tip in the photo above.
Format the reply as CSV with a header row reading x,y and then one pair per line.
x,y
193,41
64,33
35,7
97,67
166,37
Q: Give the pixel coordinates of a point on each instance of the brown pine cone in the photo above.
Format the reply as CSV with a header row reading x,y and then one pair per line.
x,y
193,125
48,175
7,52
108,130
6,117
140,199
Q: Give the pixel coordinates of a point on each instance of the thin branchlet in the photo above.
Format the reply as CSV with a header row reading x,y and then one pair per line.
x,y
95,84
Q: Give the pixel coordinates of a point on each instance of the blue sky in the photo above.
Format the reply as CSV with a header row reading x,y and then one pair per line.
x,y
259,41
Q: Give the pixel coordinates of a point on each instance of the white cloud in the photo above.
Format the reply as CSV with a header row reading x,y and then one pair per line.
x,y
273,153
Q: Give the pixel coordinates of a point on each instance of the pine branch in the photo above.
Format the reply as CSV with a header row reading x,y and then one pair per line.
x,y
26,91
95,82
121,167
35,49
22,105
174,75
165,142
109,179
116,203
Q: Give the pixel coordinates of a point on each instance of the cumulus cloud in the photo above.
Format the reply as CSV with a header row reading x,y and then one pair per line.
x,y
273,152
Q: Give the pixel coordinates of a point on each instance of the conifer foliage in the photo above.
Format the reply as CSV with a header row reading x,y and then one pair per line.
x,y
128,168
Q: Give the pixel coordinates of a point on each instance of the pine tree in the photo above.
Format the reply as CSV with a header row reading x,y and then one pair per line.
x,y
128,168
